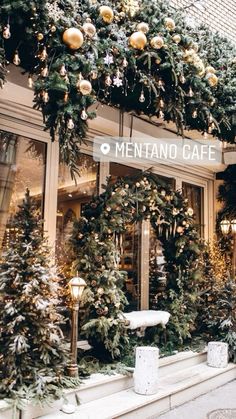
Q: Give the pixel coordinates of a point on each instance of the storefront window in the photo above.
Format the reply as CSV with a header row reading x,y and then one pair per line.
x,y
194,194
22,165
130,257
72,195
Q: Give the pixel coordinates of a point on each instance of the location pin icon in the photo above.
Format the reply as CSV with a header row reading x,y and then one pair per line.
x,y
105,148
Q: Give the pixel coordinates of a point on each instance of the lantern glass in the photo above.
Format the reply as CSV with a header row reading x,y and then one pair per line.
x,y
233,226
225,226
77,286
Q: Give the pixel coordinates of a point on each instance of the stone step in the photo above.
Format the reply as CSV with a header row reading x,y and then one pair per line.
x,y
98,385
174,390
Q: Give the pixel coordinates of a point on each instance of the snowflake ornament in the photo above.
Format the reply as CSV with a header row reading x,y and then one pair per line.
x,y
117,81
108,60
55,13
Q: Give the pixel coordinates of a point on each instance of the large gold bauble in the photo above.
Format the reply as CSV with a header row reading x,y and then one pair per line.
x,y
169,24
212,79
143,27
210,69
176,38
157,42
106,13
89,29
73,38
138,40
40,36
85,87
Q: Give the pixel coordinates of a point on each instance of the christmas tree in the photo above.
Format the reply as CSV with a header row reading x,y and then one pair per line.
x,y
32,347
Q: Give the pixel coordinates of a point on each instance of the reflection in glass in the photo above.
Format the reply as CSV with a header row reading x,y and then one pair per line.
x,y
73,195
194,194
22,166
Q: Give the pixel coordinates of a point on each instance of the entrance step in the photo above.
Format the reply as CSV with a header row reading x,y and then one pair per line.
x,y
174,390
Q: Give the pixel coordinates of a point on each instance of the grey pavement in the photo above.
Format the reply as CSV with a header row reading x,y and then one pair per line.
x,y
222,398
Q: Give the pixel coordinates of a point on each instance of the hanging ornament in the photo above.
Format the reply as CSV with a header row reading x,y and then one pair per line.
x,y
109,59
108,81
161,114
210,69
40,36
94,75
169,24
125,62
44,71
16,58
106,13
53,28
143,27
66,97
179,229
84,115
142,99
89,29
30,81
182,79
6,32
73,38
176,38
212,79
194,114
117,81
209,129
85,87
43,55
158,60
195,46
190,211
45,96
157,42
161,103
70,124
190,92
138,40
63,71
161,85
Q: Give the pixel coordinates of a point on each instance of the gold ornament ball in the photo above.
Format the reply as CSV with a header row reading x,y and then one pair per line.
x,y
89,29
212,79
143,27
176,38
157,42
169,24
84,87
210,69
73,38
40,36
138,40
106,13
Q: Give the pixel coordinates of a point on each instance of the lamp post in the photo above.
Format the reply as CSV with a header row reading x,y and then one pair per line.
x,y
226,228
76,286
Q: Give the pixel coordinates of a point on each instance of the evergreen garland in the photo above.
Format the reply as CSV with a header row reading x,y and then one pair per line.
x,y
185,75
95,244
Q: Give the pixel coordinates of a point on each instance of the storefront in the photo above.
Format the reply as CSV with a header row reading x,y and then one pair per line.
x,y
28,159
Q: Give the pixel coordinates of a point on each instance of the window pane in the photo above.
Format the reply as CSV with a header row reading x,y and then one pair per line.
x,y
72,195
194,194
130,252
22,165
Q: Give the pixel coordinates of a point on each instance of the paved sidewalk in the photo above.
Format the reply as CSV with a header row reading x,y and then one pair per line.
x,y
222,398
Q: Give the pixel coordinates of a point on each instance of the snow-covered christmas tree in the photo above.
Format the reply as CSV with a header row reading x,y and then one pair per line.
x,y
32,347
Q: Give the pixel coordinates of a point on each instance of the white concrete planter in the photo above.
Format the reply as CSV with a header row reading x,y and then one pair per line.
x,y
146,370
217,355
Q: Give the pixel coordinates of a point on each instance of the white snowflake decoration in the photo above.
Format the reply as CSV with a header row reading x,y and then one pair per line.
x,y
108,60
55,13
117,81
